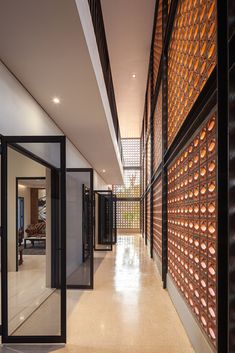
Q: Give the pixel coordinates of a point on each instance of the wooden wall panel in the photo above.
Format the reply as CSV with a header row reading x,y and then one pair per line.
x,y
157,217
191,58
192,225
33,205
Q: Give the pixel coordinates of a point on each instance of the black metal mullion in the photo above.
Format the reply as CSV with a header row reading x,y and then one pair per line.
x,y
4,248
164,148
223,173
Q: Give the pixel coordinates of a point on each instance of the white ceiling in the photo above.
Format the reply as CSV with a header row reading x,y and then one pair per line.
x,y
32,183
128,25
42,42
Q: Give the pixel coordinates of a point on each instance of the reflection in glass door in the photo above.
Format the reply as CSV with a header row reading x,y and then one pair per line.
x,y
103,220
79,208
33,282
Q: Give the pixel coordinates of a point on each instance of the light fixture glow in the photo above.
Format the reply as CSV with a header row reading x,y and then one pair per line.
x,y
133,75
104,170
56,100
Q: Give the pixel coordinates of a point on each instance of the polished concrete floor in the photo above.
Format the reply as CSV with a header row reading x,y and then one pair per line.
x,y
26,290
128,312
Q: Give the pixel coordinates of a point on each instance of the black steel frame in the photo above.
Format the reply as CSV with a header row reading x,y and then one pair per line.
x,y
223,174
91,285
231,169
17,192
115,219
110,192
12,141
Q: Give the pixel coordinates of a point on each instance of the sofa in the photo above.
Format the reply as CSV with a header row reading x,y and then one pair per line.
x,y
35,232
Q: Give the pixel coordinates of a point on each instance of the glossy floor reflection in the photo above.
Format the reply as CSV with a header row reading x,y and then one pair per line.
x,y
128,312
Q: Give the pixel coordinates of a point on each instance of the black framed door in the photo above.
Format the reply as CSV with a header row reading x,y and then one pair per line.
x,y
80,223
40,292
103,208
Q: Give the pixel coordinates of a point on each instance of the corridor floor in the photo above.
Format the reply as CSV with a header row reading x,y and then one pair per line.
x,y
127,312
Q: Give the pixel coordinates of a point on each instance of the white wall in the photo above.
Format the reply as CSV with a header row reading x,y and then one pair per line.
x,y
74,218
99,183
21,115
18,166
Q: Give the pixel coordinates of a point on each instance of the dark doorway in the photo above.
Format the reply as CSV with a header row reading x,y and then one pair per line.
x,y
103,200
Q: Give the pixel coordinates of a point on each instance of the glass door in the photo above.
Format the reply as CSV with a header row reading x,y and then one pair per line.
x,y
103,200
79,208
0,242
33,257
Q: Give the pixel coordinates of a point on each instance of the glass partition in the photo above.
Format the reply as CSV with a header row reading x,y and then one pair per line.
x,y
79,207
33,190
114,219
103,200
0,244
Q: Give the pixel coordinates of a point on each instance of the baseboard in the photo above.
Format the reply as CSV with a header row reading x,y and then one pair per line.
x,y
191,326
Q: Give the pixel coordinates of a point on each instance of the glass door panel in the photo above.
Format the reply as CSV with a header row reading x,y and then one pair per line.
x,y
79,201
103,220
0,242
33,265
114,219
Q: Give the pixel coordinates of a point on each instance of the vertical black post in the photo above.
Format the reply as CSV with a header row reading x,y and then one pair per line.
x,y
63,237
91,227
164,148
4,267
222,182
55,229
231,328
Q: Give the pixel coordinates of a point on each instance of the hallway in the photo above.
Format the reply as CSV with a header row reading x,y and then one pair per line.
x,y
127,312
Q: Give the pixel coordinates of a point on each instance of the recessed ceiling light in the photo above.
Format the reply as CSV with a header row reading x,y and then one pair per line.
x,y
104,170
56,100
133,75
